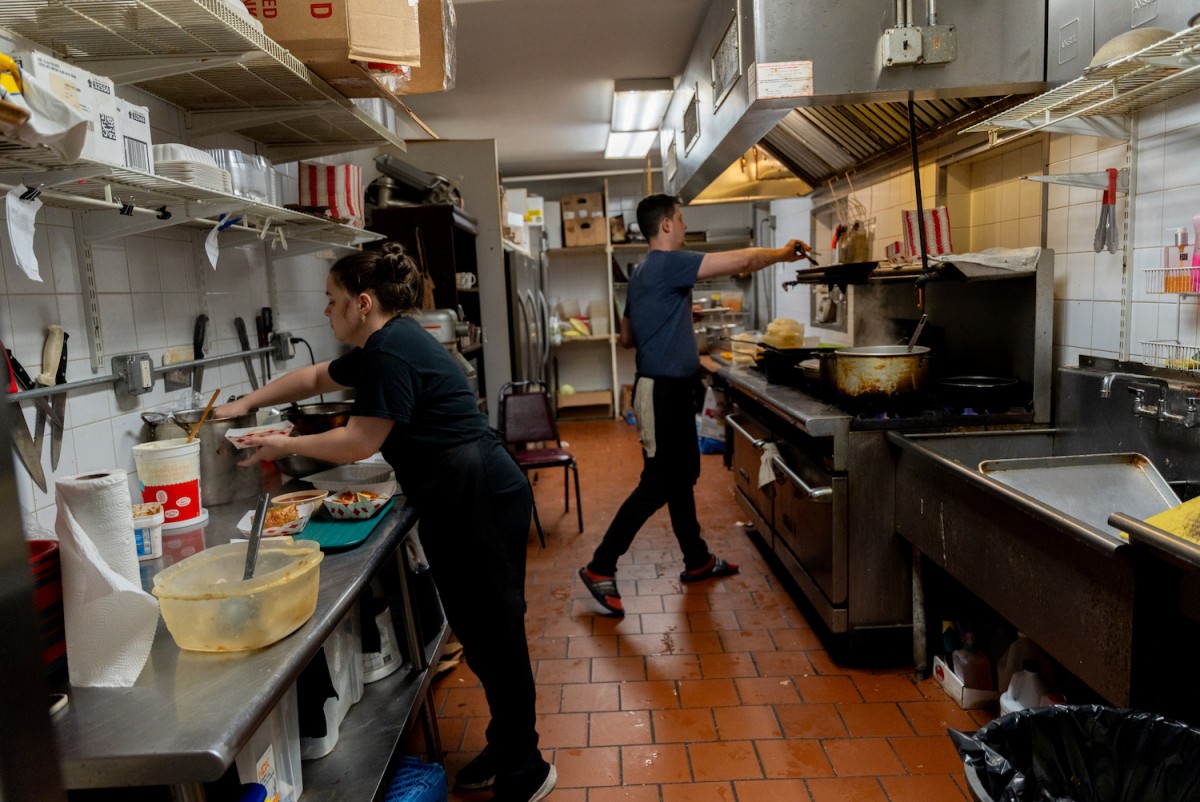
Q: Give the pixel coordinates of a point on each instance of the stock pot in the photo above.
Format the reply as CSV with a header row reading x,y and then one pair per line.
x,y
221,478
881,377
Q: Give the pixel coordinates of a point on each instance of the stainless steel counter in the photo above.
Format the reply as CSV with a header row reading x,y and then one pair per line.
x,y
796,406
189,713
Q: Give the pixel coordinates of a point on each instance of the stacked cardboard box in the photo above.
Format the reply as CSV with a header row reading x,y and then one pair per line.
x,y
583,219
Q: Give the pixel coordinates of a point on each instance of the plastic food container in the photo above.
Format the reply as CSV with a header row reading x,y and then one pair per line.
x,y
209,608
371,477
301,497
147,530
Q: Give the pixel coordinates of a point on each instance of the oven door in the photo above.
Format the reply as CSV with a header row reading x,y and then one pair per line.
x,y
810,519
746,438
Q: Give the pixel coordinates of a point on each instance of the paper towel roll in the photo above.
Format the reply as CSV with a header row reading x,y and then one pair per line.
x,y
110,620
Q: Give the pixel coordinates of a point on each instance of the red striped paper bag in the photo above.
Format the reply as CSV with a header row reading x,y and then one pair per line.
x,y
937,232
336,188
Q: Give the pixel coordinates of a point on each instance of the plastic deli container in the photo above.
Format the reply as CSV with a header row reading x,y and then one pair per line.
x,y
209,608
147,530
169,473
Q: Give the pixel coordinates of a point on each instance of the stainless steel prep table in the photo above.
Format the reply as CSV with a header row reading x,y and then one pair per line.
x,y
189,713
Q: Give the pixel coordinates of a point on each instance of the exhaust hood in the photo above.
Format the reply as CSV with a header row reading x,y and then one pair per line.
x,y
804,84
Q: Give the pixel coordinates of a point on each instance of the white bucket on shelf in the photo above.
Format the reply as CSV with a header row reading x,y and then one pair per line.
x,y
169,473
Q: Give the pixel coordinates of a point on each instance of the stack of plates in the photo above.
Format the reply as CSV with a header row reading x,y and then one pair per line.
x,y
196,174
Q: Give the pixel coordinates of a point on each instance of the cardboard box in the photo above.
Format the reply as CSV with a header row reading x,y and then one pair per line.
x,y
437,68
329,37
964,697
94,96
616,228
133,122
583,206
577,233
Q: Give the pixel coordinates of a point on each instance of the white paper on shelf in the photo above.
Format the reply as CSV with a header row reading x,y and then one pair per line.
x,y
20,215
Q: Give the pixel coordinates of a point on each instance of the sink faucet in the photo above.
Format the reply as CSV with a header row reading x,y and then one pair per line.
x,y
1158,410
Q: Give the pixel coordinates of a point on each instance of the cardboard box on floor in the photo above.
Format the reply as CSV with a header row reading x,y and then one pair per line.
x,y
331,37
964,697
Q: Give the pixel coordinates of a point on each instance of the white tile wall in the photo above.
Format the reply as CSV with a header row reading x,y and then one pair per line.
x,y
148,301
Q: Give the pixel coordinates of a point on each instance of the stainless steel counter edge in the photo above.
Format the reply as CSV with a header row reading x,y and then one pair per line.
x,y
1089,536
190,713
810,414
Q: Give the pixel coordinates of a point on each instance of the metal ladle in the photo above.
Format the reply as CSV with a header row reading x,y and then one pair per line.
x,y
256,530
917,332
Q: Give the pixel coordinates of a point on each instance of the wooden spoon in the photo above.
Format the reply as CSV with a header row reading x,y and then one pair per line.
x,y
195,430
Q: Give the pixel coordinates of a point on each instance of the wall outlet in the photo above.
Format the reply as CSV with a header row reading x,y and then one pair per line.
x,y
135,373
282,345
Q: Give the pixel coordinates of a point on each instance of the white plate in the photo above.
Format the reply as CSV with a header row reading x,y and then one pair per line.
x,y
291,528
244,438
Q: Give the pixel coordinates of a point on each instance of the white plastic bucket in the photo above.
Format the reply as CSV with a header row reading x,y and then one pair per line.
x,y
169,473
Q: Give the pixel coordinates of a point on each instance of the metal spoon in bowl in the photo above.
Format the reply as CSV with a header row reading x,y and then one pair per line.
x,y
256,530
917,332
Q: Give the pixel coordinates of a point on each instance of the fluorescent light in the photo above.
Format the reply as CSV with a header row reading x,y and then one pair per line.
x,y
639,105
629,144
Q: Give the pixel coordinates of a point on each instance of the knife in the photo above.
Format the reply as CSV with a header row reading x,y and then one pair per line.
x,y
198,336
260,327
43,403
268,316
21,439
247,360
54,357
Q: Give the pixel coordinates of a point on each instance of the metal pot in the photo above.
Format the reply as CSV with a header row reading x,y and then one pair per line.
x,y
222,480
312,419
881,376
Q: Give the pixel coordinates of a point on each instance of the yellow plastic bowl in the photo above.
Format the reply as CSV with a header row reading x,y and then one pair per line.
x,y
208,608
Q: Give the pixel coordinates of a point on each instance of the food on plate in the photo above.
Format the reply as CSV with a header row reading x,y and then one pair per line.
x,y
352,497
278,516
784,332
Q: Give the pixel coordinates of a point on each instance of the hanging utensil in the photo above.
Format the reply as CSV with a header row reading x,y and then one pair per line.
x,y
199,335
54,357
256,530
21,439
247,360
44,408
195,430
1106,231
917,332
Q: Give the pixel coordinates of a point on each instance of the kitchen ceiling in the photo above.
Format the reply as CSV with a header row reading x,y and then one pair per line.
x,y
537,76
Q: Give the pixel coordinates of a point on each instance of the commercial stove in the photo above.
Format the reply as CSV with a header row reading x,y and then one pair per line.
x,y
828,513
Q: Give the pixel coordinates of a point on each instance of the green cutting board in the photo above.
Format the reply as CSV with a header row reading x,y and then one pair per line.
x,y
340,535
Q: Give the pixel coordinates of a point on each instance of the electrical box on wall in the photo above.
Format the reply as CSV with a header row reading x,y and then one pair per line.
x,y
827,308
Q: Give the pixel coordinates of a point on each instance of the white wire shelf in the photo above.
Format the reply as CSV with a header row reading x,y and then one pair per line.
x,y
1172,280
1095,104
1172,354
202,56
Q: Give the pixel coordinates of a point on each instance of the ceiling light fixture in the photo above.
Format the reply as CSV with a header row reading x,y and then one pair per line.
x,y
638,108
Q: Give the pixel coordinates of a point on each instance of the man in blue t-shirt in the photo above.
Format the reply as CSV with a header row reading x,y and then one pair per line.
x,y
658,320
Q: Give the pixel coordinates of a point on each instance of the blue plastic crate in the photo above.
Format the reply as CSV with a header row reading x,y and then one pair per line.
x,y
417,781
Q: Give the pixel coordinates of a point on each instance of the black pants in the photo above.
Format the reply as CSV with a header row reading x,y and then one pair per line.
x,y
475,507
669,477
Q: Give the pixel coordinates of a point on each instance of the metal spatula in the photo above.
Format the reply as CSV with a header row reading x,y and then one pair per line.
x,y
256,530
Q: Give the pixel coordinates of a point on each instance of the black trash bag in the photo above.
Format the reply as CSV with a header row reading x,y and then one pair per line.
x,y
1082,753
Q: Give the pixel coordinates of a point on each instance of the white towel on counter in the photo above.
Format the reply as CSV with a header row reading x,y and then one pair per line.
x,y
110,621
1018,260
766,465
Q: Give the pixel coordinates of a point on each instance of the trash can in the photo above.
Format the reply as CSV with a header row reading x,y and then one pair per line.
x,y
1081,753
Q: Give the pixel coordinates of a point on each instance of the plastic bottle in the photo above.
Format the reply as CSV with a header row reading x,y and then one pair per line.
x,y
1027,689
972,666
1014,658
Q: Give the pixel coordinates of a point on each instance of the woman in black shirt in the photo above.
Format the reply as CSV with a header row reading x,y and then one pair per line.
x,y
412,403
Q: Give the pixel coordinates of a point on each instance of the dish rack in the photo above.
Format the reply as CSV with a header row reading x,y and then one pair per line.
x,y
1172,280
1172,354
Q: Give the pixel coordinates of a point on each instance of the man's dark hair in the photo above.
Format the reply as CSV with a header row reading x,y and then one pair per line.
x,y
653,210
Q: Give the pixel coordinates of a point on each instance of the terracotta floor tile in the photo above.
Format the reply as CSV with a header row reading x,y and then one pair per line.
x,y
782,664
581,646
474,736
590,697
712,620
874,720
673,666
888,688
628,793
828,689
618,729
618,669
767,690
549,698
644,605
588,768
565,627
563,671
772,790
932,718
465,702
547,648
848,789
665,622
862,757
656,763
768,619
707,693
800,639
724,760
559,730
746,640
686,603
747,722
649,695
697,792
737,600
928,754
811,720
922,788
793,759
630,624
736,664
683,726
658,587
451,729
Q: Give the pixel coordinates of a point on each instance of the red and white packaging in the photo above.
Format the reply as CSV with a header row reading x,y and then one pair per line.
x,y
336,188
937,232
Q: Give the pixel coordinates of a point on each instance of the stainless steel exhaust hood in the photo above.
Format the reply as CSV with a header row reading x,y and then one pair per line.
x,y
807,81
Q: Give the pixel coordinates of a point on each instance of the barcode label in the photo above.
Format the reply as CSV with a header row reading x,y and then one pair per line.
x,y
137,155
108,127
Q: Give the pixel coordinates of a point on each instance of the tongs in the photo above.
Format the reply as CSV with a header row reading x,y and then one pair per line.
x,y
1106,231
256,530
807,253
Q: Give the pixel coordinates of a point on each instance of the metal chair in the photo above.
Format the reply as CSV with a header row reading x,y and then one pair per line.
x,y
528,426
